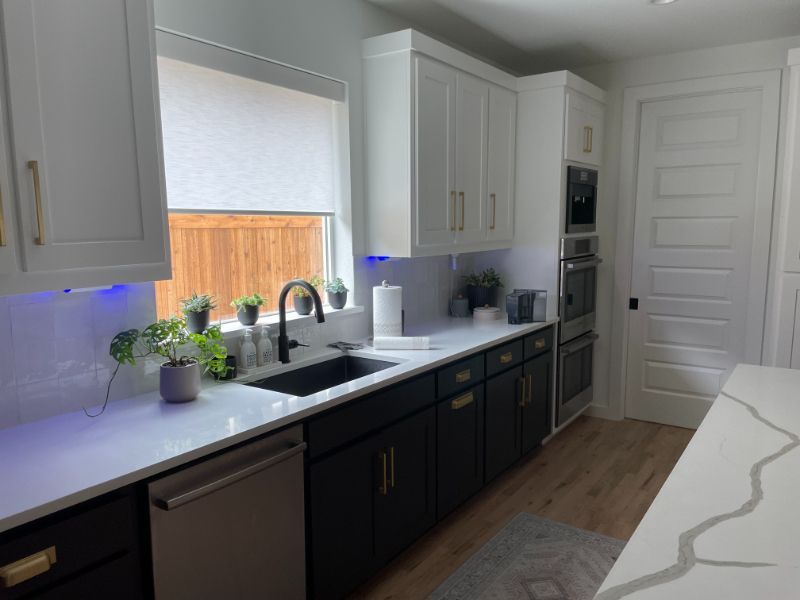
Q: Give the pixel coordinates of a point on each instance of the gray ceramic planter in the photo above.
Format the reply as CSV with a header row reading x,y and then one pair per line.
x,y
247,315
337,299
180,384
303,305
197,322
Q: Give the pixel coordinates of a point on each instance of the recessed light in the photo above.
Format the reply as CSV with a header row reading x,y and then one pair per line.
x,y
660,2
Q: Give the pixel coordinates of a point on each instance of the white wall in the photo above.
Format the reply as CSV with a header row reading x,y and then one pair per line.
x,y
614,78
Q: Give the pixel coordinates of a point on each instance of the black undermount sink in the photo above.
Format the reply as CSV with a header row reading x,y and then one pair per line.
x,y
321,376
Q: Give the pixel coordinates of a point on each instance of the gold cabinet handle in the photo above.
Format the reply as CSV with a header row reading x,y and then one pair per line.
x,y
587,139
493,199
27,568
506,358
2,221
453,204
463,376
521,390
529,395
384,487
462,401
33,165
391,462
539,344
463,210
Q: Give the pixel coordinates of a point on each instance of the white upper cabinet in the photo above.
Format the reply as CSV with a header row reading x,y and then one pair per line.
x,y
85,148
439,134
500,175
472,124
435,153
583,129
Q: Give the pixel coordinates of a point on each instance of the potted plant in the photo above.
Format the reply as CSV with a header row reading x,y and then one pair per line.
x,y
197,310
337,293
481,288
303,303
247,308
180,374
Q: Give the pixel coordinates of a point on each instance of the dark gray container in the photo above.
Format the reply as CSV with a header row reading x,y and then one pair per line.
x,y
303,305
337,299
197,322
247,315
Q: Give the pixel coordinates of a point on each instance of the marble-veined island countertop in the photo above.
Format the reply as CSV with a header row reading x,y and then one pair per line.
x,y
725,525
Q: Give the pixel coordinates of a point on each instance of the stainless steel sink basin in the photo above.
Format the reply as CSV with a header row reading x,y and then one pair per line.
x,y
323,375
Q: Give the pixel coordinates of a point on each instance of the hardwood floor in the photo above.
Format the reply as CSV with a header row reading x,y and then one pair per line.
x,y
598,475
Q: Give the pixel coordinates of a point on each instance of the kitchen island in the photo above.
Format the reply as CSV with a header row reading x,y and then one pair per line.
x,y
725,523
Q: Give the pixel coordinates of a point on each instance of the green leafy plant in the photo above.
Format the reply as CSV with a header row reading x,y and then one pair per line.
x,y
488,278
198,303
254,300
336,286
301,292
316,281
169,339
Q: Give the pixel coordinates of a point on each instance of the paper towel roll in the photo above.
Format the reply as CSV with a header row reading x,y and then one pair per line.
x,y
387,310
401,343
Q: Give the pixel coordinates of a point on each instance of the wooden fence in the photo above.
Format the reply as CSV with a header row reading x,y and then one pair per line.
x,y
233,255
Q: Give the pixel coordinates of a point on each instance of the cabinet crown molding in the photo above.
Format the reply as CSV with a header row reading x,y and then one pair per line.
x,y
561,79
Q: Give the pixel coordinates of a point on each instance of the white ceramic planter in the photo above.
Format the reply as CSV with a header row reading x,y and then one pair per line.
x,y
180,384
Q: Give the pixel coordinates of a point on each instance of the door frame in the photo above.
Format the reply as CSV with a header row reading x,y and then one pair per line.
x,y
769,82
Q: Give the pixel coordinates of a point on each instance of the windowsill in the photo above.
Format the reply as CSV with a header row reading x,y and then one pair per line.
x,y
293,320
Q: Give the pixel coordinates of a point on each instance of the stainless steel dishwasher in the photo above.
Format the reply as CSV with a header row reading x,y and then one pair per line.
x,y
233,526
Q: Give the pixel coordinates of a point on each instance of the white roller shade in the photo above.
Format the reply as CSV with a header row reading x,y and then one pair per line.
x,y
238,144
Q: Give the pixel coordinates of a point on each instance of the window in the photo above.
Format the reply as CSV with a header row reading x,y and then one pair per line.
x,y
251,172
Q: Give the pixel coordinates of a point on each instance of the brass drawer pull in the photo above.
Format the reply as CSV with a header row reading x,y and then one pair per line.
x,y
587,139
521,383
493,198
462,401
2,222
529,394
391,460
27,568
540,343
506,358
33,165
383,489
463,376
463,210
453,203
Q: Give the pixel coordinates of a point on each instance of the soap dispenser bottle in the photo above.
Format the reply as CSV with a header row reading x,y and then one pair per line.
x,y
247,352
264,347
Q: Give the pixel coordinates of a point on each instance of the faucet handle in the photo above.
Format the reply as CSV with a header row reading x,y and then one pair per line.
x,y
294,344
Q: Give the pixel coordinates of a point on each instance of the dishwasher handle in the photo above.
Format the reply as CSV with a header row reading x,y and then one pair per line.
x,y
209,488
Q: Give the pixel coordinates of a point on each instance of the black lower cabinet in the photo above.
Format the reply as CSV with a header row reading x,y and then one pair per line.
x,y
459,449
503,398
370,501
536,411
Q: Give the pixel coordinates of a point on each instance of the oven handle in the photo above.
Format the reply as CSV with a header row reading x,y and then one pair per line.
x,y
583,264
587,340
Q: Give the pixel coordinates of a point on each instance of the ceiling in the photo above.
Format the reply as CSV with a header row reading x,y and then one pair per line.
x,y
532,36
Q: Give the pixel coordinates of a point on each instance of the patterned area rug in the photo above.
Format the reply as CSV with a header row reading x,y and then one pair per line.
x,y
533,558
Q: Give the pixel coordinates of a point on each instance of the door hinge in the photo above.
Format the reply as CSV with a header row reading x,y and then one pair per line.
x,y
633,304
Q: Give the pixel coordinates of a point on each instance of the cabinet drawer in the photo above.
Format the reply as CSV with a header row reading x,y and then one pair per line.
x,y
80,540
503,357
539,342
374,412
459,376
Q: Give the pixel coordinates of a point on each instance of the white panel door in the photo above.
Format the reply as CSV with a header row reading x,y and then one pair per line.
x,y
703,199
85,132
472,125
435,111
502,157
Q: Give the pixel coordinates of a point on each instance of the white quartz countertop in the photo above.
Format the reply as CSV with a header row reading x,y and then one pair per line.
x,y
724,525
52,464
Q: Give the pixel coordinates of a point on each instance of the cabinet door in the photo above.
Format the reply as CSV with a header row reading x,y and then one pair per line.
x,y
86,135
8,262
472,123
343,488
583,130
538,392
459,449
435,111
503,399
405,507
501,155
